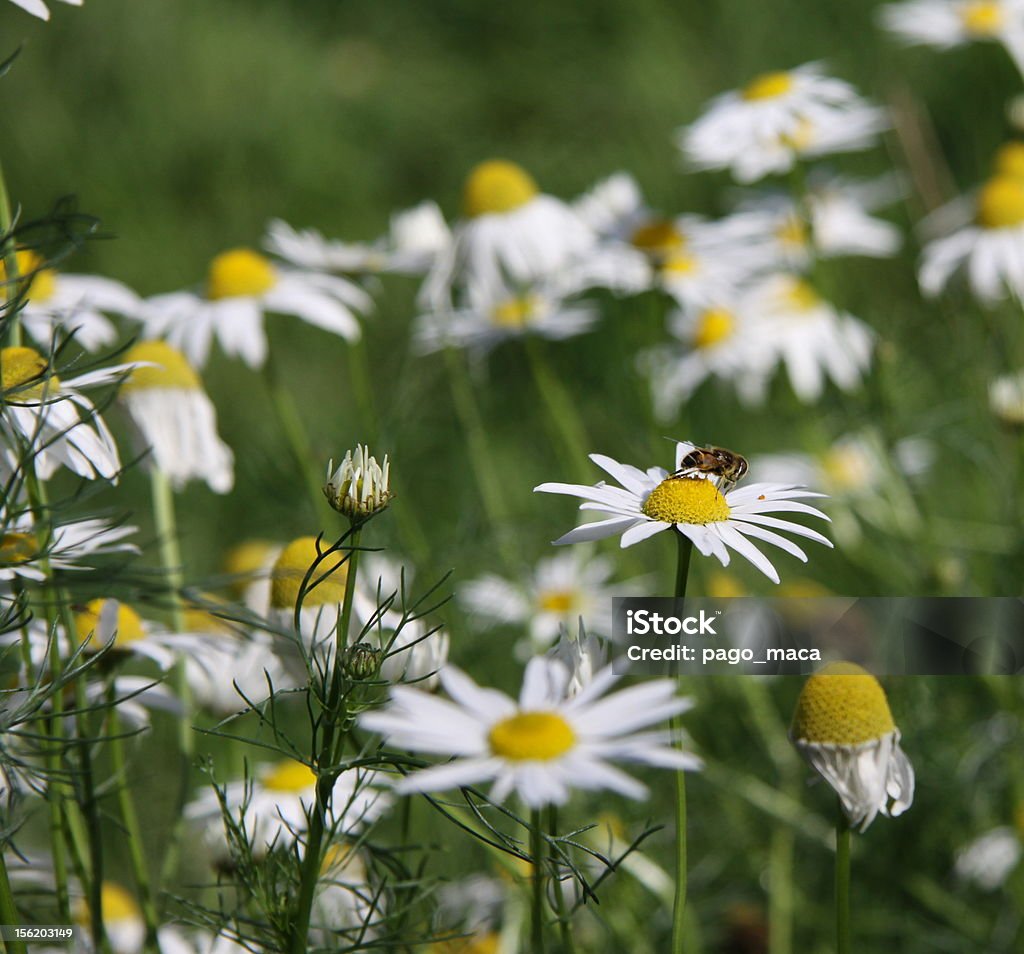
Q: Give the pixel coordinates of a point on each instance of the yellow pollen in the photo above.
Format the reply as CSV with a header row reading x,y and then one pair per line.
x,y
1009,160
768,86
842,704
793,232
713,327
16,548
659,238
497,186
801,296
19,366
686,500
1001,202
129,625
44,281
557,601
532,737
289,776
116,903
173,370
239,272
291,568
514,312
982,18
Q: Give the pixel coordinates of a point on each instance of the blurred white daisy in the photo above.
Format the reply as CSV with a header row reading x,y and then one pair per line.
x,y
583,655
71,303
174,417
843,727
989,859
1006,398
651,501
344,899
559,590
812,338
989,249
778,119
123,923
60,425
39,9
541,746
416,238
273,807
242,286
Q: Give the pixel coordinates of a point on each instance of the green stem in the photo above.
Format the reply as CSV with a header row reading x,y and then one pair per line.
x,y
685,550
8,252
537,900
780,887
564,915
842,882
8,912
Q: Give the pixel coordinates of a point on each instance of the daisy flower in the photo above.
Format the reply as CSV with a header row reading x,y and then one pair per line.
x,y
1006,398
360,487
541,746
39,9
584,656
989,249
558,591
991,858
250,564
778,119
648,502
58,422
417,237
123,923
242,286
843,727
273,808
54,301
174,417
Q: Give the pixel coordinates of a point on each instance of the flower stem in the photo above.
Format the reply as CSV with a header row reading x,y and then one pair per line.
x,y
537,854
685,550
842,882
8,251
8,912
564,915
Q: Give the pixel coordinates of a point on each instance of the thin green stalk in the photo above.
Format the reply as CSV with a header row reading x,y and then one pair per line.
x,y
842,881
780,891
564,915
537,898
10,259
685,550
8,911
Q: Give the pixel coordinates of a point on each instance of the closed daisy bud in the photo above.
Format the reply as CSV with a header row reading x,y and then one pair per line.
x,y
360,487
844,728
361,661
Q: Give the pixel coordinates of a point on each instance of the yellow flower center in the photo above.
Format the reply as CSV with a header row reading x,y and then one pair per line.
x,y
532,737
686,500
1009,160
680,263
801,296
1001,202
16,548
982,18
768,86
497,186
793,232
659,238
203,621
129,625
172,372
116,903
44,281
846,467
239,272
842,704
800,137
291,568
713,327
289,776
246,561
514,312
557,601
489,943
724,586
19,366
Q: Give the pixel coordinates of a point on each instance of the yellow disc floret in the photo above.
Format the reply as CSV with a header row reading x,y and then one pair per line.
x,y
1010,160
18,368
17,548
171,368
515,312
983,17
1001,202
713,327
686,500
800,295
556,601
44,280
659,238
532,737
240,272
246,561
289,775
129,625
841,704
116,903
768,86
497,186
291,568
792,232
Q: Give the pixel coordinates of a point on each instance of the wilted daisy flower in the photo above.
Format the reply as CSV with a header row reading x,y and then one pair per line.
x,y
989,249
945,24
540,747
558,591
777,119
273,807
360,487
58,423
584,656
812,338
651,501
415,240
175,419
989,859
1006,398
242,286
39,9
843,727
55,301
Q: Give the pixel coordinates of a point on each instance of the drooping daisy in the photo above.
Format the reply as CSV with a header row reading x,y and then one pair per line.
x,y
415,240
1006,398
813,339
59,425
174,418
273,808
39,9
558,591
989,249
541,746
777,119
69,303
843,727
648,502
242,286
510,234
